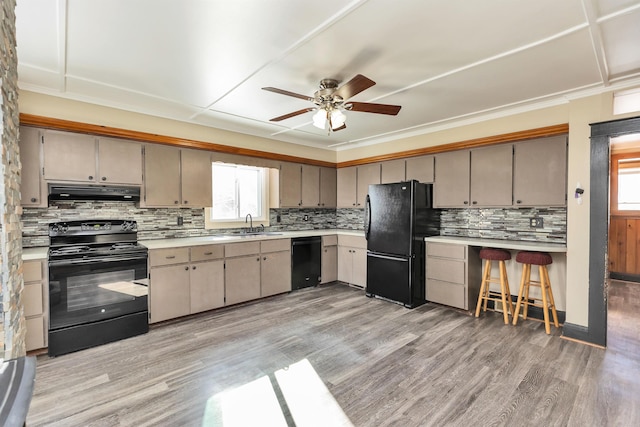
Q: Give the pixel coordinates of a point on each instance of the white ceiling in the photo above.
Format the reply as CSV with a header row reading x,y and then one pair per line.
x,y
443,61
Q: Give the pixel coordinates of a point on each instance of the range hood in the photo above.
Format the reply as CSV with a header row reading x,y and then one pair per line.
x,y
93,192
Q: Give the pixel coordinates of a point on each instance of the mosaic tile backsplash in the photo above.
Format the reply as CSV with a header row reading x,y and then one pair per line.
x,y
512,224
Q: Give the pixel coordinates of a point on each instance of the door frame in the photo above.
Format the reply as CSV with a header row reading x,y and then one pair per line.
x,y
601,133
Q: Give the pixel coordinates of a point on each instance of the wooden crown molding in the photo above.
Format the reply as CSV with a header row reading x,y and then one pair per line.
x,y
71,126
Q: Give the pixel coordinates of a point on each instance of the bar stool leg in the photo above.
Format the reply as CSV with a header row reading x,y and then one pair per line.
x,y
545,306
503,289
488,285
520,295
506,281
551,300
525,310
483,286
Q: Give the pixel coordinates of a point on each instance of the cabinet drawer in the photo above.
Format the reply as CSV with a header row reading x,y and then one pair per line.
x,y
352,241
278,245
451,294
34,338
207,252
32,271
447,270
239,249
32,297
330,240
446,250
168,256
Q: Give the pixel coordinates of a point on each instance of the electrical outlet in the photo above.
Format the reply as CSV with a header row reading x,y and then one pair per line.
x,y
180,220
536,222
278,218
306,218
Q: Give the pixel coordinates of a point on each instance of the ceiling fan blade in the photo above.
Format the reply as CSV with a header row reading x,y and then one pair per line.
x,y
287,93
368,107
340,128
295,113
354,86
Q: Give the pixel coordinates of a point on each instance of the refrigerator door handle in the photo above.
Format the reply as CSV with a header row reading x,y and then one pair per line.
x,y
392,258
367,216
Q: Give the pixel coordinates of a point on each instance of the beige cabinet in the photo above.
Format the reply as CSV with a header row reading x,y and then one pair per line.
x,y
393,171
275,267
492,176
310,186
35,296
353,184
85,158
32,187
329,259
452,179
452,275
185,280
328,187
540,172
290,185
242,272
420,168
176,177
352,260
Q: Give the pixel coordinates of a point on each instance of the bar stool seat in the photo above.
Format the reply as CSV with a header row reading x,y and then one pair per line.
x,y
546,302
486,295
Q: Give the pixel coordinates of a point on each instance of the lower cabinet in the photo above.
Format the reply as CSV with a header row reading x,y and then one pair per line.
x,y
352,260
36,303
452,275
242,278
275,267
329,260
207,285
169,292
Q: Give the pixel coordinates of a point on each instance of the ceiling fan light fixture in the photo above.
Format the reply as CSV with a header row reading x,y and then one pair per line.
x,y
320,118
337,119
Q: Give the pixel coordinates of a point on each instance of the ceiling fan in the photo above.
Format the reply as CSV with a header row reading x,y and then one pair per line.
x,y
331,101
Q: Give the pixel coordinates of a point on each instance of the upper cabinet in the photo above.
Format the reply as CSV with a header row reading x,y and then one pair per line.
x,y
353,184
420,168
392,171
452,174
85,158
307,186
491,176
328,183
290,185
175,177
540,172
32,187
310,186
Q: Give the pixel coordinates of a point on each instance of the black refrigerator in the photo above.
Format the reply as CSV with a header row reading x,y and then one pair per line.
x,y
398,217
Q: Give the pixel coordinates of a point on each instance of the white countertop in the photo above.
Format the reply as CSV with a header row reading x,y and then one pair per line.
x,y
519,245
221,238
30,254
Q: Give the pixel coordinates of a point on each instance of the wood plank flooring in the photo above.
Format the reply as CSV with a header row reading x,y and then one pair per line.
x,y
330,356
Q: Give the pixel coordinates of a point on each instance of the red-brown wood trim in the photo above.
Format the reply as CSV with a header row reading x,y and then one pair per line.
x,y
472,143
71,126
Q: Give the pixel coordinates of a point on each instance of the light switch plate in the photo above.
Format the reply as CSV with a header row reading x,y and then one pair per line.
x,y
536,222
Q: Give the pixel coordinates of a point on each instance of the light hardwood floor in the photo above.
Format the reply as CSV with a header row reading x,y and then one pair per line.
x,y
330,356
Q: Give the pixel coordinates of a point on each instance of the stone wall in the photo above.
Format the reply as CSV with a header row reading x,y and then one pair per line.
x,y
12,328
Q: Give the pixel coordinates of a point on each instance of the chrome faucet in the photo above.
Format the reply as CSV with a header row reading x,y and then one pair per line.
x,y
250,219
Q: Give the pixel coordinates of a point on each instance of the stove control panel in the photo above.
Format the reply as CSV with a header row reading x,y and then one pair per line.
x,y
88,228
96,226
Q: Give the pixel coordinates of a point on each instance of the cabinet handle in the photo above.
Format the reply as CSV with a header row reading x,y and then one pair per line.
x,y
474,202
193,268
258,259
518,201
33,200
265,258
186,268
466,202
170,256
90,177
353,204
208,253
104,178
186,202
175,202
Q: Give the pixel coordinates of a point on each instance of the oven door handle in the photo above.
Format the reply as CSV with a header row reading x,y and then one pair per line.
x,y
96,260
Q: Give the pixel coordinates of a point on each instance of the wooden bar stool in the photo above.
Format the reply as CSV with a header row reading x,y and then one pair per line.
x,y
541,259
504,296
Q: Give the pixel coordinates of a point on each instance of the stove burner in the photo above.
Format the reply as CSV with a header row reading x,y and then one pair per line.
x,y
123,245
67,250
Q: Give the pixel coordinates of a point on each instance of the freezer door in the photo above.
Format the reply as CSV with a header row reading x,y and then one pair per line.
x,y
389,277
389,218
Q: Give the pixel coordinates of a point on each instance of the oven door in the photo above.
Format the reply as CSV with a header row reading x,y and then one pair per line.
x,y
85,290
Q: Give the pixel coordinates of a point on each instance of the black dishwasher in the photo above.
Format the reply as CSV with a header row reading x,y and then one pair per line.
x,y
306,255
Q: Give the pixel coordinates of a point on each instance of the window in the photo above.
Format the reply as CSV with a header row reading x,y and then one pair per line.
x,y
625,182
238,190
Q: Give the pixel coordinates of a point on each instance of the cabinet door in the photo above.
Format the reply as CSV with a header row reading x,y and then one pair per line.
x,y
169,292
345,264
346,189
329,271
119,161
392,171
242,279
420,169
32,298
540,172
452,174
359,277
35,336
367,174
31,185
328,187
69,156
161,176
290,185
196,178
206,281
275,273
310,186
492,176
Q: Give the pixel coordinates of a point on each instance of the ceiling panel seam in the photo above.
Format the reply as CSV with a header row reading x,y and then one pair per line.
x,y
596,40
